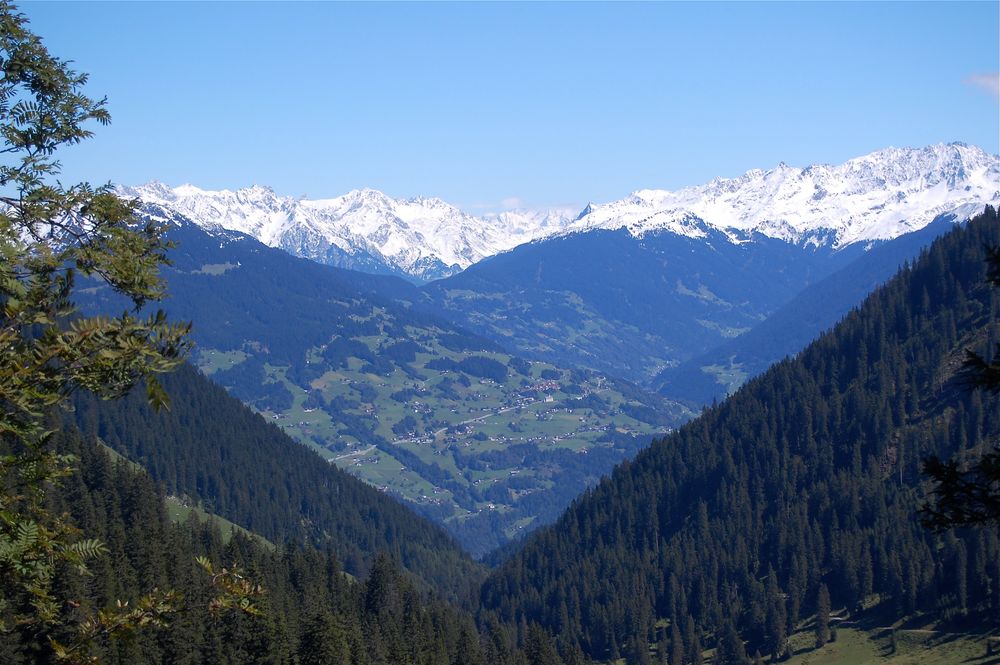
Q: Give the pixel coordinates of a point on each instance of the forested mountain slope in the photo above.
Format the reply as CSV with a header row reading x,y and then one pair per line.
x,y
218,453
816,309
484,442
809,475
631,305
311,612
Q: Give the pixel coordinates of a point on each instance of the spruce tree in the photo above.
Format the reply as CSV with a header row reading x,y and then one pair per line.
x,y
969,494
730,649
822,616
676,645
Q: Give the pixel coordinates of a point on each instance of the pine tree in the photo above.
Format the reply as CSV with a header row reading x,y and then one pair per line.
x,y
676,645
777,637
324,642
539,649
730,649
822,616
969,496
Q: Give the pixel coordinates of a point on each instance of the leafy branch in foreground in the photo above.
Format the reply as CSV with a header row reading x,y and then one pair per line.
x,y
117,623
234,592
48,234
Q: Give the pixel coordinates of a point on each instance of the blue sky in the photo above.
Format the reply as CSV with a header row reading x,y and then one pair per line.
x,y
491,104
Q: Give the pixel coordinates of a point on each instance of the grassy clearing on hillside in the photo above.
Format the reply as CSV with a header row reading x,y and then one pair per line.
x,y
878,637
211,361
913,647
855,646
215,268
179,512
731,375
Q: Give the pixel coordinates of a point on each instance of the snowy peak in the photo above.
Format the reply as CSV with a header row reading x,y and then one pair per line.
x,y
423,238
878,196
256,211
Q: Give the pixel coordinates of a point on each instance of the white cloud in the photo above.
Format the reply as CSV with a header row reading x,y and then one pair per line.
x,y
512,203
987,82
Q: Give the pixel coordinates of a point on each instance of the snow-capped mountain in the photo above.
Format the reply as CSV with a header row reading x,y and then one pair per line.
x,y
423,238
879,196
659,275
875,197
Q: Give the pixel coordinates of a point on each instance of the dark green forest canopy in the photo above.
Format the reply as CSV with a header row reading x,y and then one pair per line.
x,y
216,451
810,474
340,360
312,611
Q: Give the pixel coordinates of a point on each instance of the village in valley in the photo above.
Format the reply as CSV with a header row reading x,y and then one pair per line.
x,y
455,431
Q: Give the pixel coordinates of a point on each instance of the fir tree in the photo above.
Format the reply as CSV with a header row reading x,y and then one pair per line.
x,y
822,616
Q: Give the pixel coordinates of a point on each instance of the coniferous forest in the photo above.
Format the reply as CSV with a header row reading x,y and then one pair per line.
x,y
806,482
215,452
312,611
802,491
149,517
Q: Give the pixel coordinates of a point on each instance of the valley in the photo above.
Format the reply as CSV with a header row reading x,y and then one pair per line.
x,y
475,372
485,442
489,399
462,434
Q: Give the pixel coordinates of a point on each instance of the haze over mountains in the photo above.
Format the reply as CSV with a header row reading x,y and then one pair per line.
x,y
877,196
724,368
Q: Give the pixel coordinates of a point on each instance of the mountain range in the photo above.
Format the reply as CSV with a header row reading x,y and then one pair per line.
x,y
878,196
488,399
758,417
874,197
419,238
413,387
797,494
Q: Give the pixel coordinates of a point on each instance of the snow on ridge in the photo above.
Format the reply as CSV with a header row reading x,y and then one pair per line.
x,y
424,237
873,197
876,196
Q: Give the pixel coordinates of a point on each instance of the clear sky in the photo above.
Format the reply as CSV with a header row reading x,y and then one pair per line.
x,y
487,105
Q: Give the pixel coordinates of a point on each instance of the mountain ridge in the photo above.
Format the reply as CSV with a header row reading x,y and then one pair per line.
x,y
420,238
877,196
807,480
